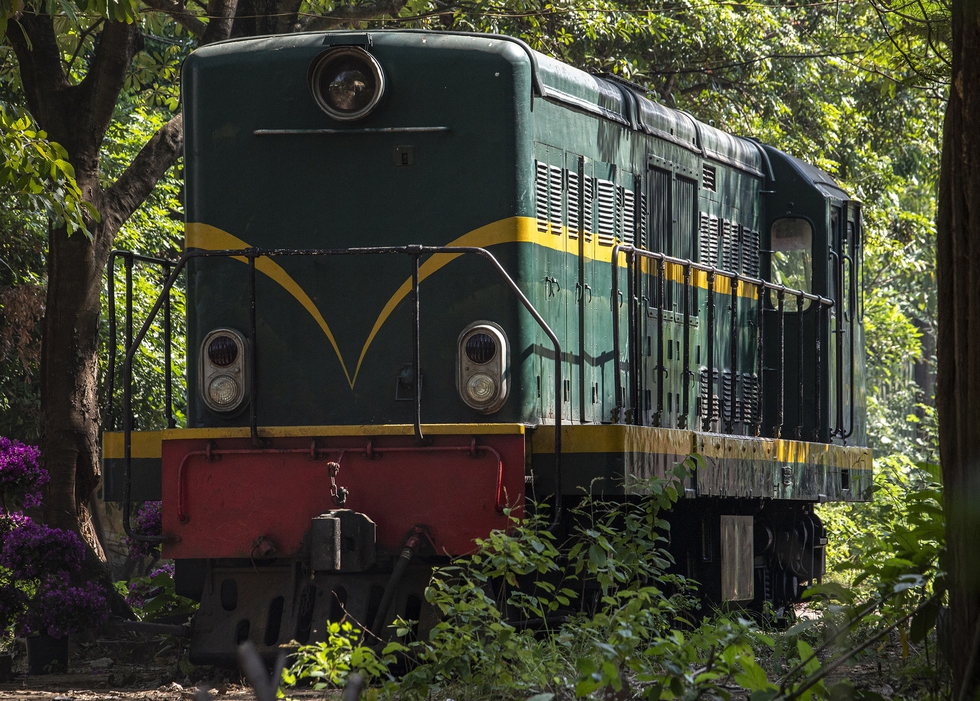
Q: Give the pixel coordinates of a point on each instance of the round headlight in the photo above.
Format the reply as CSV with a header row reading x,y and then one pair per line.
x,y
347,82
480,348
481,388
223,390
223,351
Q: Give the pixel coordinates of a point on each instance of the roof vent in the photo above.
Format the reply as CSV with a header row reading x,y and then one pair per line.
x,y
708,177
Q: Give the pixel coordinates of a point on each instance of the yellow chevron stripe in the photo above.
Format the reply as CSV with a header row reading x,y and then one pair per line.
x,y
210,238
510,230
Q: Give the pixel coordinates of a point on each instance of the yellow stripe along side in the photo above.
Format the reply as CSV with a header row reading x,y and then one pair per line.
x,y
590,438
148,444
510,230
624,439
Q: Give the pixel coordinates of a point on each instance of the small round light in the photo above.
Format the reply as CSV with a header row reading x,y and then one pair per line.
x,y
347,82
222,351
481,388
480,348
223,390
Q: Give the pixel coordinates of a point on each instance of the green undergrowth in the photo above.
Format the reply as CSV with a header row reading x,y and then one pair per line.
x,y
600,616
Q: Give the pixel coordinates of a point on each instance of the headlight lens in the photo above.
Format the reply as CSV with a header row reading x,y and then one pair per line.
x,y
481,388
347,82
223,390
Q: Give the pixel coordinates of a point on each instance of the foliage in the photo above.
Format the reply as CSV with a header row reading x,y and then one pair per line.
x,y
599,615
154,595
35,173
155,230
330,663
898,538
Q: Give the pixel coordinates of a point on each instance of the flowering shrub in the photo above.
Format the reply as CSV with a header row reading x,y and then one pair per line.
x,y
61,609
148,522
33,550
39,565
20,473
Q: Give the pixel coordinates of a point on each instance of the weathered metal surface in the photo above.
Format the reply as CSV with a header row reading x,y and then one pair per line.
x,y
612,458
244,499
273,605
342,541
737,558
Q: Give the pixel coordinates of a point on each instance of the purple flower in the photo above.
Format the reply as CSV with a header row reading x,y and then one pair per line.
x,y
149,521
143,588
61,609
20,473
33,550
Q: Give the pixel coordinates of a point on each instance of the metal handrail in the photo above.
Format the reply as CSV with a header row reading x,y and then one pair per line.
x,y
416,251
688,266
129,257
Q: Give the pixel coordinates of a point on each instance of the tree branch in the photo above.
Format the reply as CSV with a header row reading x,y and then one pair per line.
x,y
351,13
42,73
181,15
114,52
125,195
221,14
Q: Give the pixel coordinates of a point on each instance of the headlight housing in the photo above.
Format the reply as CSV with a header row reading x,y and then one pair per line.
x,y
347,82
223,377
482,364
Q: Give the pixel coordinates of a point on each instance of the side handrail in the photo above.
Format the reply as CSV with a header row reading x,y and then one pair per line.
x,y
712,272
130,258
251,254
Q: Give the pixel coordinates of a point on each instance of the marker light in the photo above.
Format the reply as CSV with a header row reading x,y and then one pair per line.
x,y
480,348
482,367
222,351
223,378
346,82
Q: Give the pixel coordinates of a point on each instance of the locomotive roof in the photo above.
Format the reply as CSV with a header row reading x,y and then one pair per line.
x,y
607,97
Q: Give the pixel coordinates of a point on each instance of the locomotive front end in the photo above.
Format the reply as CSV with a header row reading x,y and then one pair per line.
x,y
353,411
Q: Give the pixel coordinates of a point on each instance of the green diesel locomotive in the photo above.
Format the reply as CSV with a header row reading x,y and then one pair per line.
x,y
432,275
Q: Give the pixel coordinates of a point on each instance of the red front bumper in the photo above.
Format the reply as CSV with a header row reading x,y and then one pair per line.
x,y
225,498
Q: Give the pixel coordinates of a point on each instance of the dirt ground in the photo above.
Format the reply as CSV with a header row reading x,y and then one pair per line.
x,y
130,668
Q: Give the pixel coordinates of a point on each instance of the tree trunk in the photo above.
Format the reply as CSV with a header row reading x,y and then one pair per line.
x,y
77,116
958,390
69,372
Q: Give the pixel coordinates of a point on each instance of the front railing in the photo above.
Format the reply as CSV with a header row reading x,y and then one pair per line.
x,y
251,254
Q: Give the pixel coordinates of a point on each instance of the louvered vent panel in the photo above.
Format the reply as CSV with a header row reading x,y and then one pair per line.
x,y
541,195
750,398
554,198
708,177
708,230
627,215
750,252
588,205
729,245
726,397
716,407
574,223
607,212
643,218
